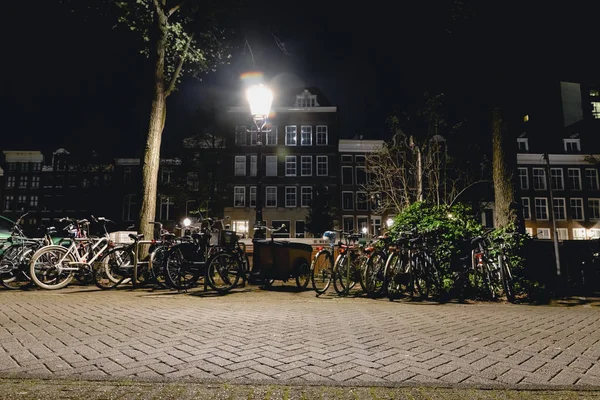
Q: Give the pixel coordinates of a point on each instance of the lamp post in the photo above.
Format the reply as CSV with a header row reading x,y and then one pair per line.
x,y
260,98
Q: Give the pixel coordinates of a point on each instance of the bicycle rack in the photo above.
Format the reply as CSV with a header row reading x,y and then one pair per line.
x,y
136,261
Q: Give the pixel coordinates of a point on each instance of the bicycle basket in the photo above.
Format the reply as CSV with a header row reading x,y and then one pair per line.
x,y
228,239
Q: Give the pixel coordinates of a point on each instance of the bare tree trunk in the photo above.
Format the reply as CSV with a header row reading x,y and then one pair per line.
x,y
151,158
504,190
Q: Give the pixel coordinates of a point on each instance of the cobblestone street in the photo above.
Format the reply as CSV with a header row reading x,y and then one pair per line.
x,y
283,337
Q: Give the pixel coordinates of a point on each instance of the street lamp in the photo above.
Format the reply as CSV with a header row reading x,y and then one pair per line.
x,y
260,98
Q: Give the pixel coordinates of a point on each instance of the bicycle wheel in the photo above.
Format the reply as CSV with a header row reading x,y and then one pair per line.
x,y
156,266
302,271
507,280
13,267
342,275
374,277
48,267
223,271
321,271
113,268
398,276
182,267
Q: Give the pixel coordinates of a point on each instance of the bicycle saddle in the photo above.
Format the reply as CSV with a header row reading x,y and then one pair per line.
x,y
136,237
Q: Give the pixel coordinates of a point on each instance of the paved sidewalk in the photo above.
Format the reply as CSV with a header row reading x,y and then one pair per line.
x,y
283,337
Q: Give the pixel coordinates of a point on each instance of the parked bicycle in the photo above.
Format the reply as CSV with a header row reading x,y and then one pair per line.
x,y
54,266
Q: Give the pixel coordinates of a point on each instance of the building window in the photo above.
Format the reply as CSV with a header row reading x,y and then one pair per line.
x,y
271,196
36,167
526,208
362,203
563,234
23,182
129,202
595,109
33,201
240,227
240,135
21,202
12,166
361,176
290,197
166,208
594,205
348,223
252,196
523,178
165,175
591,178
557,179
541,208
306,135
193,181
9,203
285,232
240,165
543,233
359,159
362,223
348,201
127,174
572,145
594,93
290,135
574,178
253,165
35,182
347,176
539,179
271,135
107,179
322,135
306,165
305,196
560,209
579,234
290,165
576,209
239,196
594,233
347,158
375,225
254,136
271,165
523,144
300,229
322,167
529,231
10,181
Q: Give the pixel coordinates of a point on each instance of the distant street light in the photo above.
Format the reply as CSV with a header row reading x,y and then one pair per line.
x,y
260,99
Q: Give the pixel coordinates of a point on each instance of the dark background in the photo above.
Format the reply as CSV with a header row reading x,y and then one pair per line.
x,y
75,81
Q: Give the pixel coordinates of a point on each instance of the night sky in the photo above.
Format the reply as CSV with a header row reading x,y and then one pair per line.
x,y
76,82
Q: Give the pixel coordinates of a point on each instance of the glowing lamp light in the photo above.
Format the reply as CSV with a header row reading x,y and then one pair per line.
x,y
260,98
389,222
364,230
187,222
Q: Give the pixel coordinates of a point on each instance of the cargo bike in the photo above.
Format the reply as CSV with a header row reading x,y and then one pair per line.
x,y
279,260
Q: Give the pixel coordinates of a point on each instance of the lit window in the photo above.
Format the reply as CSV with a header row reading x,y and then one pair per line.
x,y
290,135
596,109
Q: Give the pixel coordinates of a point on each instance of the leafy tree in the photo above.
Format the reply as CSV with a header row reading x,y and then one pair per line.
x,y
178,37
320,213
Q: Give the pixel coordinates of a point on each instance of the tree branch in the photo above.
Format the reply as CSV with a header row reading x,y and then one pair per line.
x,y
158,6
179,67
173,10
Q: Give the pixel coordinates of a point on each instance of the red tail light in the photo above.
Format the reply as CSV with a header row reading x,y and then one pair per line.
x,y
319,248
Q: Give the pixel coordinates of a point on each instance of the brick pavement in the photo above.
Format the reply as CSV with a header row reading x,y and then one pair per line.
x,y
255,336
